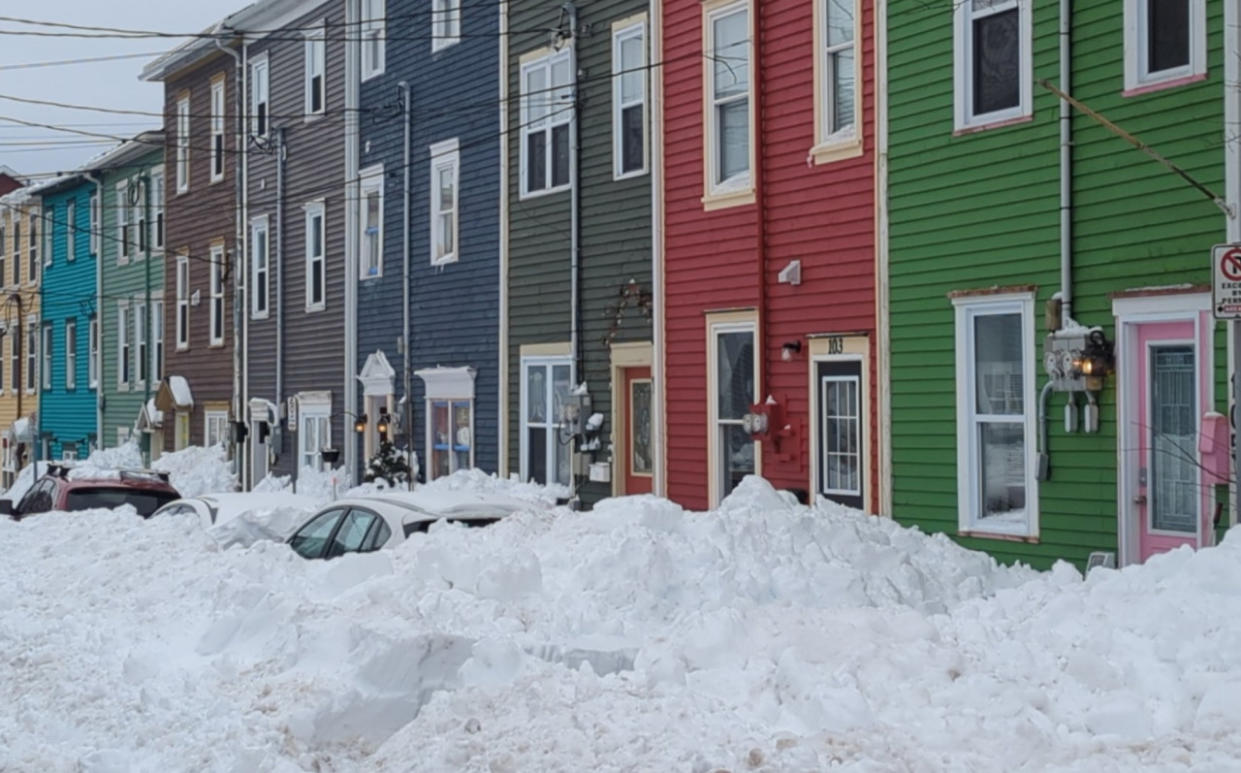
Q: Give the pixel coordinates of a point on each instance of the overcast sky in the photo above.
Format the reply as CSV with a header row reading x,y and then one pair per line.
x,y
112,84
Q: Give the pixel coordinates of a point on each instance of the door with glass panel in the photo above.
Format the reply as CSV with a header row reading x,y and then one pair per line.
x,y
839,432
639,462
452,430
546,453
734,387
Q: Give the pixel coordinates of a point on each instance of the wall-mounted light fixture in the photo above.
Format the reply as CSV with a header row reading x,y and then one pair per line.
x,y
1096,361
382,424
359,426
789,349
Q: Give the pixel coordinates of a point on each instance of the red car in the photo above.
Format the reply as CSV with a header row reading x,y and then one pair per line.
x,y
145,490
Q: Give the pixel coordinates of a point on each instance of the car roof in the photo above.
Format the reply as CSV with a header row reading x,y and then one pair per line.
x,y
439,504
125,480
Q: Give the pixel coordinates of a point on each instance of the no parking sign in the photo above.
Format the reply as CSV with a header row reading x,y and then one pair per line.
x,y
1226,269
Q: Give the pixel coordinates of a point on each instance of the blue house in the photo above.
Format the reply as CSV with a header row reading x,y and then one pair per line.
x,y
429,94
68,335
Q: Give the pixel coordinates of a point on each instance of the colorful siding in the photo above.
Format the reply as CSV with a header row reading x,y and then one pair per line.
x,y
21,312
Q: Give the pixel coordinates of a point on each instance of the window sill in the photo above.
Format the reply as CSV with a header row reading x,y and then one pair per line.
x,y
999,124
316,308
838,150
441,44
215,180
617,176
312,117
543,192
444,261
182,191
714,201
1159,85
371,277
219,345
982,534
122,387
366,76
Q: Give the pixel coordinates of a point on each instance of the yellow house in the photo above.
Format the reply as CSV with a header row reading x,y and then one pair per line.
x,y
21,248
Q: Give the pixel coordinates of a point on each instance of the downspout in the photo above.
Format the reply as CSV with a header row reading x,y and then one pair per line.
x,y
1232,184
575,233
1066,166
502,358
407,355
760,229
352,99
278,430
146,316
658,440
882,280
91,176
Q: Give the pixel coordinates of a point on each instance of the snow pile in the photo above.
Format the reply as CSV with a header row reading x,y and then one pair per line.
x,y
485,483
322,486
762,636
24,480
197,470
245,518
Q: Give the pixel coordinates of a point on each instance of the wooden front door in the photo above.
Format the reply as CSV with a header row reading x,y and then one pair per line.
x,y
638,463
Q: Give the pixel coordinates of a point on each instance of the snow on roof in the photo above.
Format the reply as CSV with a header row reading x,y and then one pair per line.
x,y
174,392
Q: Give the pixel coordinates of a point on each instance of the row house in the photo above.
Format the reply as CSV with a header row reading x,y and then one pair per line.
x,y
21,231
577,230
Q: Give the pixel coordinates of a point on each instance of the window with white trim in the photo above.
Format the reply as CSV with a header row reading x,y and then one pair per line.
x,y
157,209
315,68
260,96
157,339
71,230
217,293
183,144
545,386
124,354
838,98
17,249
215,429
45,345
1165,41
992,61
997,491
141,363
71,354
124,244
139,218
259,265
94,228
445,23
92,365
32,350
314,433
445,182
49,214
33,248
629,100
450,446
374,19
217,129
15,360
730,128
183,302
546,110
371,222
4,241
732,451
316,277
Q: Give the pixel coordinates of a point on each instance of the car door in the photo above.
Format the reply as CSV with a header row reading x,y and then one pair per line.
x,y
37,500
351,536
312,539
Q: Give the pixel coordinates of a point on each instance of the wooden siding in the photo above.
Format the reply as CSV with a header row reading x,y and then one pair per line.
x,y
18,206
822,215
983,209
314,348
454,308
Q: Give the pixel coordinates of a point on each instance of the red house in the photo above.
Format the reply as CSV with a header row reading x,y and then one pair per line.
x,y
769,251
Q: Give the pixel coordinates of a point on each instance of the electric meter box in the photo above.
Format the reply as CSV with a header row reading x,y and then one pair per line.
x,y
1063,352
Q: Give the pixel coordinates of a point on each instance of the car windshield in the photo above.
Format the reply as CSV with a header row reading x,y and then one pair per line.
x,y
143,500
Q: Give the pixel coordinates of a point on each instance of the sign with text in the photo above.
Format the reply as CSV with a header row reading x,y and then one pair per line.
x,y
1226,284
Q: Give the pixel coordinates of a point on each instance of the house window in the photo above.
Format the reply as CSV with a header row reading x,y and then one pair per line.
x,y
374,17
32,348
183,302
123,235
215,430
157,340
33,276
992,61
546,110
316,62
140,342
71,354
734,376
451,445
371,222
3,248
123,352
92,365
259,96
997,492
157,210
15,360
17,250
49,215
545,387
1165,42
729,141
836,74
46,346
315,274
314,432
445,23
445,176
258,267
629,79
71,230
94,228
183,144
217,292
140,230
217,129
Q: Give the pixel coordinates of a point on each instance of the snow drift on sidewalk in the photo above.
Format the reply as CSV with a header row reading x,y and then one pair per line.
x,y
762,636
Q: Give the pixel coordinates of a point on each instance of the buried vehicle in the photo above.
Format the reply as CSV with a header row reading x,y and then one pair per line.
x,y
385,520
225,507
61,489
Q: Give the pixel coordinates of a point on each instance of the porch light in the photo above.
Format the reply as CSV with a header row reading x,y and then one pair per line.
x,y
382,425
359,426
789,349
1096,360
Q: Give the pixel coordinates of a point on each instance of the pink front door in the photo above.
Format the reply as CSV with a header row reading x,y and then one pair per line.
x,y
1170,485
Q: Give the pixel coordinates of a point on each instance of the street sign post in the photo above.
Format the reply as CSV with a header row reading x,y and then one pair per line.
x,y
1226,282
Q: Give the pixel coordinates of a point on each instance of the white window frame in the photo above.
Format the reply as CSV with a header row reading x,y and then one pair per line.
x,y
49,241
124,355
216,292
717,325
318,414
374,20
33,247
445,156
1138,77
92,344
17,249
622,31
558,101
220,420
430,439
315,65
71,354
372,181
45,350
94,225
845,142
260,303
157,210
71,230
963,65
32,350
124,246
260,96
552,425
156,318
969,505
15,361
138,311
738,189
183,144
183,303
218,111
445,23
316,264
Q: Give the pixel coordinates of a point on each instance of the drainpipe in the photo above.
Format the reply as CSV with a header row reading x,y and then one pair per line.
x,y
1066,166
278,430
760,342
91,177
1232,183
575,233
407,355
658,440
352,99
146,316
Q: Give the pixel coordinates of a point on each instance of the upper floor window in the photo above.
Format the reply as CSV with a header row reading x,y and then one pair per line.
x,y
259,265
157,209
729,125
3,247
837,72
315,273
124,239
183,144
183,302
374,19
33,248
217,294
445,176
546,110
992,59
629,98
94,225
17,250
316,63
217,129
445,23
71,230
259,96
1165,42
49,214
371,221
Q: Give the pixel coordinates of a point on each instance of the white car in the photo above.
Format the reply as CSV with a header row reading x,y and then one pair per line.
x,y
385,520
214,509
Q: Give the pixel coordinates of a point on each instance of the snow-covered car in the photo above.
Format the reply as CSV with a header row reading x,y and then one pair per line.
x,y
214,509
385,520
64,488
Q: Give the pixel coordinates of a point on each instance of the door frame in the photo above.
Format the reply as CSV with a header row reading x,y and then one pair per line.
x,y
838,348
625,356
1129,312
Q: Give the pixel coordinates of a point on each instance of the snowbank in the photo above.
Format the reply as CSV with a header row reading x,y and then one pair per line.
x,y
762,636
196,470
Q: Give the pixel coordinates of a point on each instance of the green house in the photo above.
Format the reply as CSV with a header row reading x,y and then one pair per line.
x,y
1002,231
